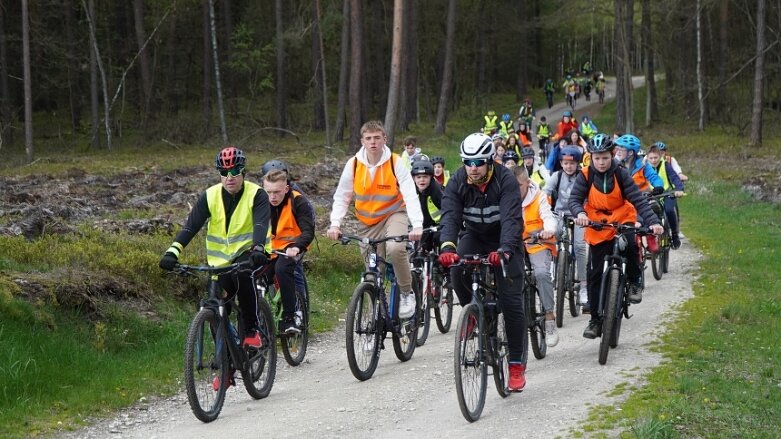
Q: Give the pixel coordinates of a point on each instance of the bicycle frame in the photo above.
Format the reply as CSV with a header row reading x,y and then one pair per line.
x,y
484,295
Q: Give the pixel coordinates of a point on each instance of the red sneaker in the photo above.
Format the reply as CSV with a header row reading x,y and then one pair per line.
x,y
216,382
517,380
253,339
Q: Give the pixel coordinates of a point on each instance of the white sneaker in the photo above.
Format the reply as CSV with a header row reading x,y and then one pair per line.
x,y
406,305
551,334
583,293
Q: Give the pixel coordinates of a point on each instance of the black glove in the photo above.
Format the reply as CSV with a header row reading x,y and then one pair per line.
x,y
657,190
168,261
258,258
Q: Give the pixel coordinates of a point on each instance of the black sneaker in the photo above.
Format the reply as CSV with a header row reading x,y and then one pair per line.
x,y
676,242
289,326
635,294
593,330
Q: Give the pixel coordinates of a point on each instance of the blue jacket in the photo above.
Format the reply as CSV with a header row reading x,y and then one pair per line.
x,y
650,173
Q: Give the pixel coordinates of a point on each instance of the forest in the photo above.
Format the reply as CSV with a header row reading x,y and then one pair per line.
x,y
92,73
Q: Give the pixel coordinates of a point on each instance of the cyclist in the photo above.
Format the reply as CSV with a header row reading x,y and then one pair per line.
x,y
430,196
605,192
565,126
538,173
526,112
238,216
485,200
441,175
524,135
411,151
670,159
570,88
573,139
512,143
543,136
538,218
600,88
506,127
587,128
558,189
671,181
384,195
490,124
549,88
553,162
499,154
510,159
292,231
628,154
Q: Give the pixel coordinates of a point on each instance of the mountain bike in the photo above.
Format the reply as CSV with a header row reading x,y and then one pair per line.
x,y
572,99
565,283
372,314
437,292
660,261
481,340
535,316
549,98
614,288
267,288
213,351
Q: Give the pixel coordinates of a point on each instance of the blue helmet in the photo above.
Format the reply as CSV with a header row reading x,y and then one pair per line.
x,y
630,142
566,114
571,153
601,143
506,117
661,145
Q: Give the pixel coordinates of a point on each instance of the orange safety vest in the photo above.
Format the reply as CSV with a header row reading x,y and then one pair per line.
x,y
376,199
532,222
609,208
287,227
640,180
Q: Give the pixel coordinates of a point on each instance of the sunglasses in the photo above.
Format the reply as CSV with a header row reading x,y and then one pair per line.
x,y
235,172
475,162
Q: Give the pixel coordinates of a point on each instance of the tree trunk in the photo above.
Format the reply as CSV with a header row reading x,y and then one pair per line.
x,y
344,72
408,111
93,87
356,73
104,83
629,125
281,82
317,70
28,95
171,87
618,53
324,91
521,83
700,79
227,52
759,73
5,97
391,111
447,70
218,84
143,61
72,67
651,107
207,71
723,39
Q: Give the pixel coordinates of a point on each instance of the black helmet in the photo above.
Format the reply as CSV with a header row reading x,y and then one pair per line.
x,y
438,159
422,167
230,157
511,155
274,165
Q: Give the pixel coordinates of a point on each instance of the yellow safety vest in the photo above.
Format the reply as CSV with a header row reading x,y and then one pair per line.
x,y
490,123
224,244
543,131
435,213
662,171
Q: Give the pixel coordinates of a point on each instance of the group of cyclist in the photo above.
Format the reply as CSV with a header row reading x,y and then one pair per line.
x,y
503,202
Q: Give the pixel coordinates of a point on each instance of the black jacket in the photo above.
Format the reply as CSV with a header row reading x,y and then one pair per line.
x,y
495,215
433,191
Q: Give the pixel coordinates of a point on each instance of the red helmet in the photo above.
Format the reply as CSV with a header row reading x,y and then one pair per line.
x,y
229,158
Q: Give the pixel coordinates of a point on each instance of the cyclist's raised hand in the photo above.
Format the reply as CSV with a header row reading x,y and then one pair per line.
x,y
333,232
168,261
415,233
448,258
582,219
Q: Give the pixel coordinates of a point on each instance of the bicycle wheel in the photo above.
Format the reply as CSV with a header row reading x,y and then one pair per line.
x,y
362,333
422,301
534,319
616,332
609,316
573,289
666,259
443,312
501,364
405,341
206,364
657,265
470,369
259,376
561,285
294,345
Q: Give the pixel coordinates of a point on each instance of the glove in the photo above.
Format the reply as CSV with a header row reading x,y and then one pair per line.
x,y
495,258
449,258
168,261
657,190
258,258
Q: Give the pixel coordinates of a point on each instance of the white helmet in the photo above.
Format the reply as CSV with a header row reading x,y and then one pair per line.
x,y
477,146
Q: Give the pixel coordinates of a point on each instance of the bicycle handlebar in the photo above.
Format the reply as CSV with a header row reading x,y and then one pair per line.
x,y
620,228
185,270
345,239
665,194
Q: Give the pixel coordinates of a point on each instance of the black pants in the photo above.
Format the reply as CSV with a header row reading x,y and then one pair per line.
x,y
284,269
510,293
596,262
241,285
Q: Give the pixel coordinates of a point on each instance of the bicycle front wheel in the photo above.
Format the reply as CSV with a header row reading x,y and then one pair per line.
x,y
444,309
535,320
657,265
501,363
561,285
206,371
405,340
422,302
572,286
469,367
362,333
609,316
259,376
294,345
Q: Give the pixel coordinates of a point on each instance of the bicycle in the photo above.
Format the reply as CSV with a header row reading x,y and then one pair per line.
x,y
535,316
267,288
572,100
614,289
549,98
564,281
371,314
481,340
660,261
436,290
213,350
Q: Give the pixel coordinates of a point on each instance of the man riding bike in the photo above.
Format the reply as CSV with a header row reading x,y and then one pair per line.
x,y
506,127
549,88
526,112
485,200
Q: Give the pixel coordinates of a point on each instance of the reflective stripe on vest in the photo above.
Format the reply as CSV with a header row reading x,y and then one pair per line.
x,y
490,123
223,246
601,207
487,215
377,198
287,229
532,222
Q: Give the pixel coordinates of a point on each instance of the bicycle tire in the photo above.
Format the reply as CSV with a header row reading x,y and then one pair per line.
x,y
422,302
574,306
666,260
443,312
469,368
536,330
609,316
294,345
615,334
362,332
501,354
657,265
405,342
205,360
259,376
561,285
